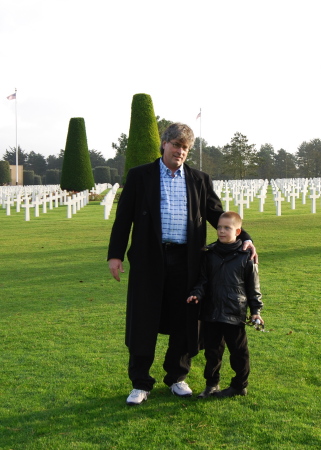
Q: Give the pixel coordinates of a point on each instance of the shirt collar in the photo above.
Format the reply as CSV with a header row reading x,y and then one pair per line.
x,y
165,171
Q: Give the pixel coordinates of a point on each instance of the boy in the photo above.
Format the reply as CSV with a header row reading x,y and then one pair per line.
x,y
228,283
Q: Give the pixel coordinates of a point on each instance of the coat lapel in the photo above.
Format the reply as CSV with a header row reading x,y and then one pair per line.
x,y
193,186
152,189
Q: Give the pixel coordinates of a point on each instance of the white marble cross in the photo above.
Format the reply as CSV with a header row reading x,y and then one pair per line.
x,y
313,196
27,205
69,202
8,202
36,202
278,199
304,191
262,197
241,202
292,194
227,199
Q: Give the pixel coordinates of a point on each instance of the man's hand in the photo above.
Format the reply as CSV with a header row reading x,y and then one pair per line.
x,y
254,255
115,266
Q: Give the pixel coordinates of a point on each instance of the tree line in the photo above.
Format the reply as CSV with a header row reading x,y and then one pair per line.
x,y
40,170
240,160
236,160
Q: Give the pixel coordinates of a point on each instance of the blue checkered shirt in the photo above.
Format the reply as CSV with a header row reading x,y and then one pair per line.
x,y
173,205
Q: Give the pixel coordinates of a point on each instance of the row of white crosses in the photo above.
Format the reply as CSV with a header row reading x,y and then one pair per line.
x,y
76,201
293,188
241,192
31,196
99,188
108,200
28,197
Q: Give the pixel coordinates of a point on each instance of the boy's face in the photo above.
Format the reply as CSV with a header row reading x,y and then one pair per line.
x,y
226,231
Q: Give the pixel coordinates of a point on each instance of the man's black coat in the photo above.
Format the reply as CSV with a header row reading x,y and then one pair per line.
x,y
139,209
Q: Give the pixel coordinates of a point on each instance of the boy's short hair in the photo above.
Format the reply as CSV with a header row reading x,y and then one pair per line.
x,y
237,220
179,131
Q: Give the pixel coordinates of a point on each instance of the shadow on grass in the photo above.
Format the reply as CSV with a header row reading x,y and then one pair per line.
x,y
89,420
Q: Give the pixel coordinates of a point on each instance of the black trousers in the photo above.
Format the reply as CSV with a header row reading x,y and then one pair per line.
x,y
177,362
215,334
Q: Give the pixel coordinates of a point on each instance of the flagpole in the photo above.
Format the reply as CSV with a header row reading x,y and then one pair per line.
x,y
17,173
200,139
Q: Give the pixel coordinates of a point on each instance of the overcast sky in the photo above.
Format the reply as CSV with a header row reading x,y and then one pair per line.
x,y
252,66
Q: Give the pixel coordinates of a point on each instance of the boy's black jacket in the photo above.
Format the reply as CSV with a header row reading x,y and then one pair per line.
x,y
228,284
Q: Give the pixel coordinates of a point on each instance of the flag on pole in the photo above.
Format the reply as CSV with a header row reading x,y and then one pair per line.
x,y
198,115
12,97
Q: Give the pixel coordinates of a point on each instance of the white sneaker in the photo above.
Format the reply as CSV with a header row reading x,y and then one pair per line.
x,y
136,397
181,389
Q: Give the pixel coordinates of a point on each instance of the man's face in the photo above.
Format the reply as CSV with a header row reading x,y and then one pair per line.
x,y
175,154
227,232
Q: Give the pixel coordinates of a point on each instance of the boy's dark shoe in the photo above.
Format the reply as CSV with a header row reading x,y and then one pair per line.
x,y
230,392
208,391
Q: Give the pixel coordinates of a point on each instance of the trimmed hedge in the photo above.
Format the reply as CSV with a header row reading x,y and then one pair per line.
x,y
76,174
102,174
37,180
53,176
143,140
28,177
5,176
114,176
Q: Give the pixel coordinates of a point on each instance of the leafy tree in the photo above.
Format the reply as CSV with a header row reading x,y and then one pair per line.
x,y
119,161
36,162
213,162
96,159
55,162
239,158
285,165
5,176
212,159
76,174
10,156
308,159
162,124
143,140
121,147
266,162
193,157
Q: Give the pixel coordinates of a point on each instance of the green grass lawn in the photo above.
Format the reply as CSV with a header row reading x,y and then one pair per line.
x,y
63,377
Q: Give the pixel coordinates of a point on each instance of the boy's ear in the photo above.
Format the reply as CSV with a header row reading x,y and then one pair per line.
x,y
238,231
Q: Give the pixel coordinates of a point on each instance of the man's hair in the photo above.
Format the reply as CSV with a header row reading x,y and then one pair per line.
x,y
237,220
183,133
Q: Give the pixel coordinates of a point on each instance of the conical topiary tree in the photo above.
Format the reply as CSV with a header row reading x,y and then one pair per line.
x,y
143,140
5,176
76,173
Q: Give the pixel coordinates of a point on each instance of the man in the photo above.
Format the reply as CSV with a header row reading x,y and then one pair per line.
x,y
166,204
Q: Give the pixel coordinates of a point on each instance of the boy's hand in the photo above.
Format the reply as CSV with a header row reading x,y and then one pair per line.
x,y
257,316
254,255
192,299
